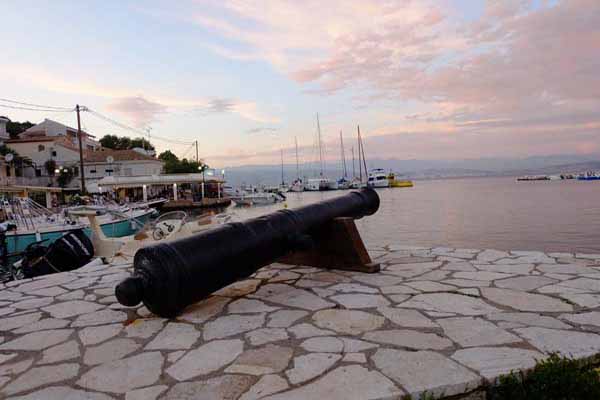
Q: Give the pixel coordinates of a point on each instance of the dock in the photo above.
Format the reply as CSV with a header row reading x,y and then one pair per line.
x,y
441,321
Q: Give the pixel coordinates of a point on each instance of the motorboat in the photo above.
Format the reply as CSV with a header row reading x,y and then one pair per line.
x,y
297,186
395,182
256,198
167,227
589,176
36,223
357,184
343,183
318,184
378,179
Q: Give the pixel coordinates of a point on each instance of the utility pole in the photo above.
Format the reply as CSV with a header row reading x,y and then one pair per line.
x,y
81,170
197,158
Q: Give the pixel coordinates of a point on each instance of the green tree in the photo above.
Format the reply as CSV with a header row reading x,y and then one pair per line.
x,y
125,143
141,143
110,141
15,128
173,165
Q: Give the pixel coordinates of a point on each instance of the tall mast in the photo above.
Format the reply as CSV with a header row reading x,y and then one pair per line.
x,y
320,149
343,155
362,150
359,163
282,180
353,166
297,164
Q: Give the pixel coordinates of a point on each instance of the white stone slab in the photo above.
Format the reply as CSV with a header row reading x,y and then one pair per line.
x,y
425,371
349,382
268,359
36,341
174,336
40,376
586,318
469,332
213,355
109,351
492,362
292,297
351,322
409,339
309,366
568,343
230,325
449,303
524,301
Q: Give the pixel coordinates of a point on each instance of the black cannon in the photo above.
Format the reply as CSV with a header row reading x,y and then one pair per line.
x,y
168,277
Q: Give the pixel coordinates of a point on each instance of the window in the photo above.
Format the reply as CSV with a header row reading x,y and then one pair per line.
x,y
41,148
109,170
92,171
53,153
76,171
38,172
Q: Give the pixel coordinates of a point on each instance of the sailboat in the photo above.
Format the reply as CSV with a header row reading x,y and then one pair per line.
x,y
320,183
297,185
343,183
283,188
358,183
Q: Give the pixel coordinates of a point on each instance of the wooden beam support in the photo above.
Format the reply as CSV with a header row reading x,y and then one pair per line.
x,y
337,245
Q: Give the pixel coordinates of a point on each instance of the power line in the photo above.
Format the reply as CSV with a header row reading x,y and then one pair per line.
x,y
37,105
34,109
135,130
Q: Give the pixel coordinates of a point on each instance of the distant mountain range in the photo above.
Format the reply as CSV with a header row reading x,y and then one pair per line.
x,y
423,169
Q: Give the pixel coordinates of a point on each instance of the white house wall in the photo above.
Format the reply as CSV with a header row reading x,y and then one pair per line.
x,y
63,157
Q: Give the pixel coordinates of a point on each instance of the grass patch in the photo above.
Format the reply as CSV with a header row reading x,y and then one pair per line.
x,y
556,378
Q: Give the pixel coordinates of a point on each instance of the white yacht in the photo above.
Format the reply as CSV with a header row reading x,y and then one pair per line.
x,y
378,179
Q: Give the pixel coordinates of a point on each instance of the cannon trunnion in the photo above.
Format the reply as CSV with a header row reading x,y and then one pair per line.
x,y
168,277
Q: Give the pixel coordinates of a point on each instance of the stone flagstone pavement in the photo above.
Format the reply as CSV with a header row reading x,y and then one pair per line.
x,y
439,320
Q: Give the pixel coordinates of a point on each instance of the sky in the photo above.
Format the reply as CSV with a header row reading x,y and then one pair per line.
x,y
445,79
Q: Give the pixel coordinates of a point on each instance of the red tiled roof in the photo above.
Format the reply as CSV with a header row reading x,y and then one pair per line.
x,y
118,155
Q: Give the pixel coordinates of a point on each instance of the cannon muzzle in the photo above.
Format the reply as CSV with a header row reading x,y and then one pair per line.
x,y
169,276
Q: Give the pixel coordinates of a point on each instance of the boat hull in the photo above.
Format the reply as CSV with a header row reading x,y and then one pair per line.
x,y
399,184
17,242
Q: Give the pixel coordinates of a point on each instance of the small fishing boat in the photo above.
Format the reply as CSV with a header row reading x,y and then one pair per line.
x,y
378,179
589,176
394,182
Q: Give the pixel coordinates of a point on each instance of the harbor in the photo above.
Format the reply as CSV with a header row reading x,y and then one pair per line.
x,y
442,321
285,200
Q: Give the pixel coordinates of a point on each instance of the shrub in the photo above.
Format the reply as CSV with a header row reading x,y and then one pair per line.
x,y
551,379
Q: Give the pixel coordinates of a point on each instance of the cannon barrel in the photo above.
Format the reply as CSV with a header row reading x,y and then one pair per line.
x,y
169,276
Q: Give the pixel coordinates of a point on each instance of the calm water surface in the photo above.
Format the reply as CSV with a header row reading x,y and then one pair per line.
x,y
497,213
